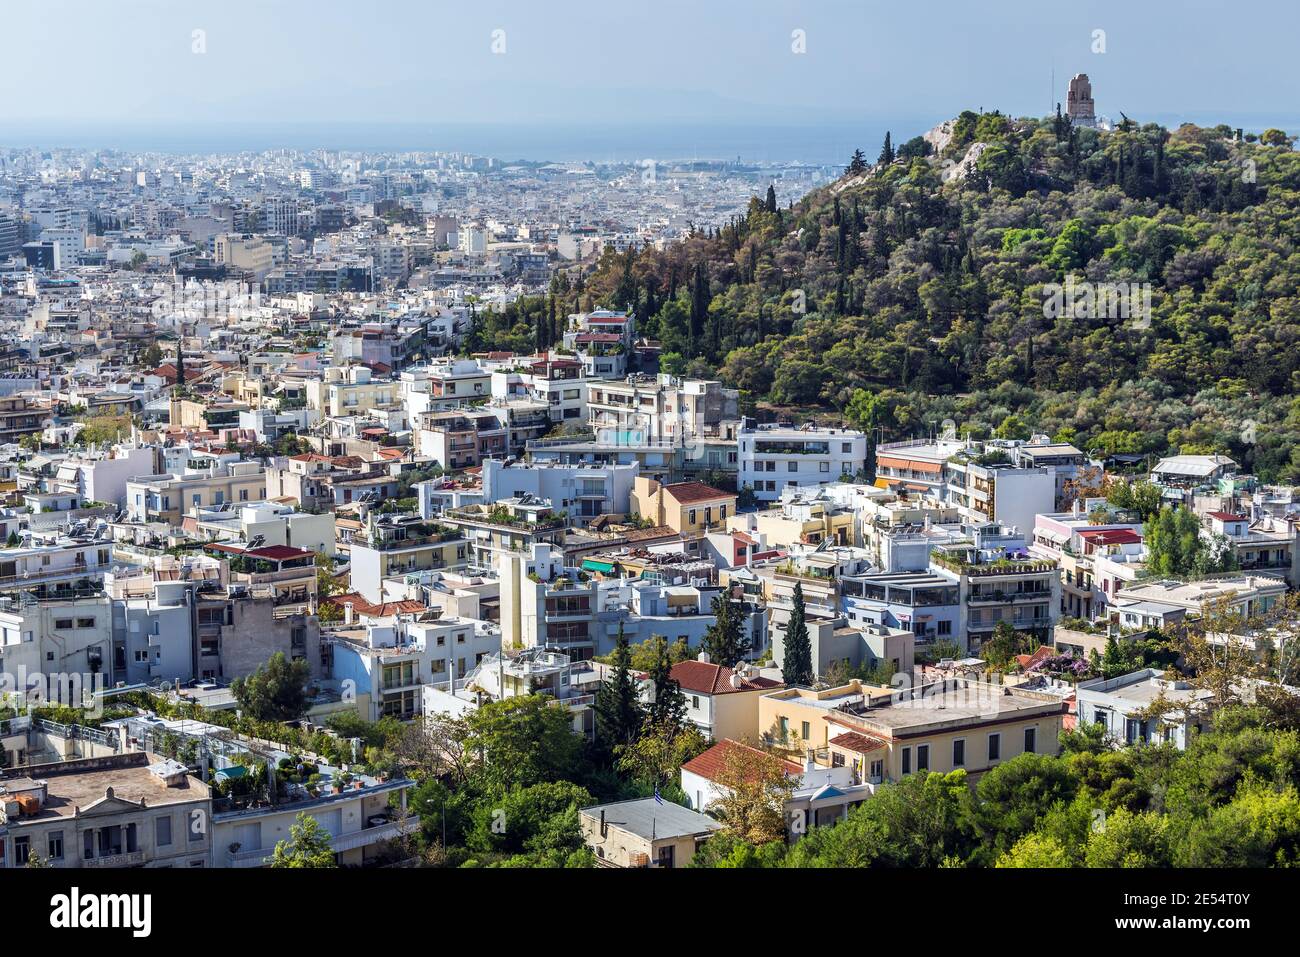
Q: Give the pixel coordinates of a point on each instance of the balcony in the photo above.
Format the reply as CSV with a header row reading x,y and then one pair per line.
x,y
1001,597
366,837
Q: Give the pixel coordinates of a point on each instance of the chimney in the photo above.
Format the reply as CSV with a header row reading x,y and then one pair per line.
x,y
809,764
347,613
703,656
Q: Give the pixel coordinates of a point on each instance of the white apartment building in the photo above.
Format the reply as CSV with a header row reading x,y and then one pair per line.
x,y
579,491
773,458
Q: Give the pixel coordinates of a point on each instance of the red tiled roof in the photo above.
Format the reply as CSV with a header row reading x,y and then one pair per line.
x,y
1043,653
688,492
709,764
704,677
855,741
385,609
1227,517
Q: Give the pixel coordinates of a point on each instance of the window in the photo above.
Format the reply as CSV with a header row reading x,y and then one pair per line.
x,y
959,753
804,731
22,851
922,757
1031,736
846,448
792,466
62,623
85,623
995,747
825,466
944,628
695,701
907,760
55,846
837,760
162,829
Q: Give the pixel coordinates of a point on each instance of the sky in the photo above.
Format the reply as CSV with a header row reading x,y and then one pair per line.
x,y
604,71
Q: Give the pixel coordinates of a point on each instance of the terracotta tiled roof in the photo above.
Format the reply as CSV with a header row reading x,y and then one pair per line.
x,y
1042,654
709,764
704,677
688,492
854,741
385,609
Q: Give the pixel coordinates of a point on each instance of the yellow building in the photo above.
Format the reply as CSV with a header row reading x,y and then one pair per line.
x,y
688,508
964,724
806,522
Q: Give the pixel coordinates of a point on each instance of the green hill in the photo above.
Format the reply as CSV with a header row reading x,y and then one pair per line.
x,y
923,299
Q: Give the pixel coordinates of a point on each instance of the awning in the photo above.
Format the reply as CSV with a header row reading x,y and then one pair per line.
x,y
592,565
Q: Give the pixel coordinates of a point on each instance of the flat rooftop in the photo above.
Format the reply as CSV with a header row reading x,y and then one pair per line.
x,y
972,704
69,791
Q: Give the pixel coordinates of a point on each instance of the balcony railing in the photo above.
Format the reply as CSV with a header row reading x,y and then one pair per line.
x,y
366,837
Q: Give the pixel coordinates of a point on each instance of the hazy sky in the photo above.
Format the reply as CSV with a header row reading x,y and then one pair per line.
x,y
71,63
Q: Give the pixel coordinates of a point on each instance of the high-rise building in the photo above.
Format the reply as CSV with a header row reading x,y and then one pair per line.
x,y
10,237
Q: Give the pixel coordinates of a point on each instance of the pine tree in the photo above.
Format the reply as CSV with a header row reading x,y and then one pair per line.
x,y
726,641
857,165
180,364
796,666
617,705
886,151
669,704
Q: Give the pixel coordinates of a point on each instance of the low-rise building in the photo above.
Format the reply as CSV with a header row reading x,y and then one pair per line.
x,y
645,832
120,810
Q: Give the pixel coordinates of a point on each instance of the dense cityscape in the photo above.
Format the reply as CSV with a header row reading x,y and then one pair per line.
x,y
937,507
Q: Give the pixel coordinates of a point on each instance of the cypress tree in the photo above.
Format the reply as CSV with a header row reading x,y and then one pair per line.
x,y
796,665
725,641
617,705
669,704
